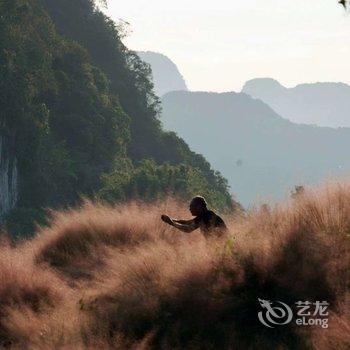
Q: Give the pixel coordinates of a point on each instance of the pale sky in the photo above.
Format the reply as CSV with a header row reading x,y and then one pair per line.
x,y
218,45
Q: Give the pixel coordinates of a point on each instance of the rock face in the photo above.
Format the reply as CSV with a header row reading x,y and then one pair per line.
x,y
8,177
166,75
322,104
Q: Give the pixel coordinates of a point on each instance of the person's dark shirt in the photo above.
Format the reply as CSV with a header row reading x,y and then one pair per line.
x,y
209,222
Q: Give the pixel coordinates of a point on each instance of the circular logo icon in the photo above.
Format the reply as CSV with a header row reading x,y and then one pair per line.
x,y
280,314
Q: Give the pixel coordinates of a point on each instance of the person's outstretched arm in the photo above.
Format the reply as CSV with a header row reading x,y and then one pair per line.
x,y
183,225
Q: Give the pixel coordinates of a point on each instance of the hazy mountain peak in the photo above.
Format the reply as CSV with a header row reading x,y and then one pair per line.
x,y
327,84
262,85
166,75
321,103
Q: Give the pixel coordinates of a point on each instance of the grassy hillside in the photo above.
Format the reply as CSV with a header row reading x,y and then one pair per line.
x,y
116,277
261,154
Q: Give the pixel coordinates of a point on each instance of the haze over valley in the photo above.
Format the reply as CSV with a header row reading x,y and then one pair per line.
x,y
266,139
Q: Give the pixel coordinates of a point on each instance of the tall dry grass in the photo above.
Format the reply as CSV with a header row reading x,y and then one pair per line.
x,y
117,277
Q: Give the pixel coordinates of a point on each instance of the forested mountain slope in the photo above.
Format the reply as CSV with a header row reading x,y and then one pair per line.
x,y
78,116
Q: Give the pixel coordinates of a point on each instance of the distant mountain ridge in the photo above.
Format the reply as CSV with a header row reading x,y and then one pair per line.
x,y
323,104
261,154
166,75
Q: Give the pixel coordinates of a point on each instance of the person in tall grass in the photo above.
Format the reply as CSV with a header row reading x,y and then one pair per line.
x,y
206,220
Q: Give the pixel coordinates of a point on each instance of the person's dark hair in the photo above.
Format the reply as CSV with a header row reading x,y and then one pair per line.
x,y
199,200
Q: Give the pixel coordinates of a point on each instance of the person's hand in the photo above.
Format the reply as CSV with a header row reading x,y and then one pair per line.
x,y
166,219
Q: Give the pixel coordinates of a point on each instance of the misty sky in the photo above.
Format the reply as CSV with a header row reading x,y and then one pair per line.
x,y
218,45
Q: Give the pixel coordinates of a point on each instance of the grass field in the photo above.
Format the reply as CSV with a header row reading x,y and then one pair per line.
x,y
117,277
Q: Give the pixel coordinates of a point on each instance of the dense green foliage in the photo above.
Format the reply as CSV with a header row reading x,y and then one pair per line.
x,y
150,181
79,110
64,123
